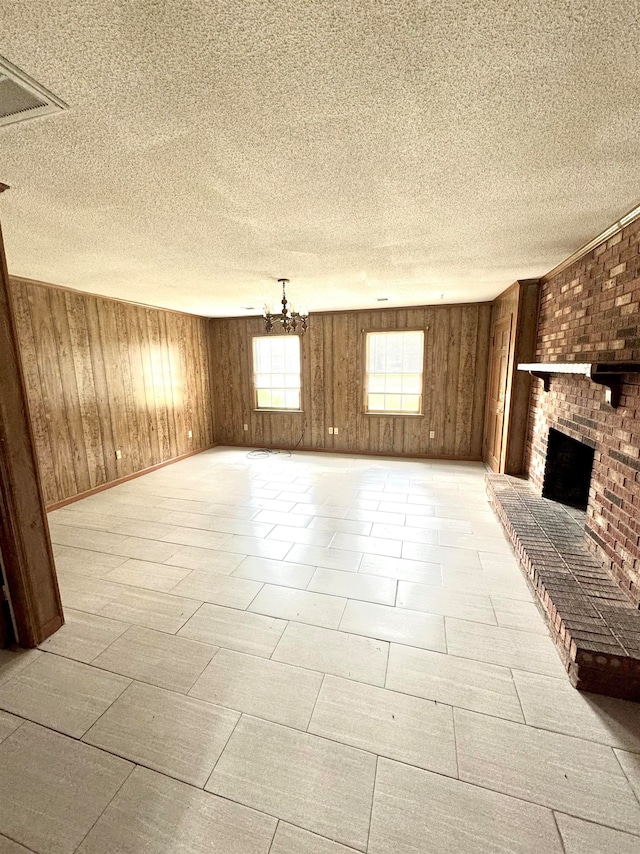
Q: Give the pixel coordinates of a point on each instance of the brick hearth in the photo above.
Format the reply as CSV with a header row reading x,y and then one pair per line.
x,y
595,626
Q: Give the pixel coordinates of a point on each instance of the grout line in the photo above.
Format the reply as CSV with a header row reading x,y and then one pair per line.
x,y
275,830
373,797
111,800
455,741
313,711
624,773
560,837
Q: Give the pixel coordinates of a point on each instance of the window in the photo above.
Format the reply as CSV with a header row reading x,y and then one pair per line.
x,y
276,371
394,364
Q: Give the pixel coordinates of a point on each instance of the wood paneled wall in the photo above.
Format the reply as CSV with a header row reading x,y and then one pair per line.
x,y
456,341
104,375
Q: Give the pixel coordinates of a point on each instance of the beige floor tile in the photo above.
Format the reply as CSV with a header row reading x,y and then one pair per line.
x,y
584,837
405,534
7,846
317,609
53,788
83,635
197,538
147,574
354,585
631,766
12,661
139,528
495,544
254,634
376,516
145,550
84,538
418,732
259,687
208,508
404,570
205,560
160,611
168,732
185,821
435,523
339,653
342,526
220,524
311,782
507,584
83,593
367,545
85,562
514,614
280,572
394,624
261,503
306,536
327,511
275,517
447,603
217,589
328,558
10,723
447,556
273,549
416,811
61,694
457,681
555,705
166,661
293,840
557,771
508,647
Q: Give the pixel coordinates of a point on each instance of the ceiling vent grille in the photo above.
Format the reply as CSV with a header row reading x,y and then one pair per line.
x,y
22,98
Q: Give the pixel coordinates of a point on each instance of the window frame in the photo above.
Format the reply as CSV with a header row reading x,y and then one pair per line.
x,y
364,374
254,390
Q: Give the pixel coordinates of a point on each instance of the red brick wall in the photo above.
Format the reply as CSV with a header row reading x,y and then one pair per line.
x,y
590,312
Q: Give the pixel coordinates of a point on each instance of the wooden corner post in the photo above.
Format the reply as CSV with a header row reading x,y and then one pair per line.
x,y
25,547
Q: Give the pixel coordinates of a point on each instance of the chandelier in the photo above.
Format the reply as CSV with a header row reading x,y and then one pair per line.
x,y
289,319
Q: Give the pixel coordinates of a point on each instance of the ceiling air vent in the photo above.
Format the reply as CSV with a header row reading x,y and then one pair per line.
x,y
22,98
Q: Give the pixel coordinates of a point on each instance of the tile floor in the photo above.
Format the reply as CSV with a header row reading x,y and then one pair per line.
x,y
312,654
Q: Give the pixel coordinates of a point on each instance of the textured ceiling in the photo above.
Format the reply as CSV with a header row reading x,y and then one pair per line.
x,y
418,151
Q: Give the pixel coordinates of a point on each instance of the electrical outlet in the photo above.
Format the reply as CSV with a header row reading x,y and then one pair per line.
x,y
190,434
335,431
432,434
118,454
331,430
246,426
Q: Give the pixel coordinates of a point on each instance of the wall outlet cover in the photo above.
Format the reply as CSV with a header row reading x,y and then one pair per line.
x,y
432,434
190,434
118,454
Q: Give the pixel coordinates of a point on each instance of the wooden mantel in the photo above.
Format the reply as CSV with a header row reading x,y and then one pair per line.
x,y
608,374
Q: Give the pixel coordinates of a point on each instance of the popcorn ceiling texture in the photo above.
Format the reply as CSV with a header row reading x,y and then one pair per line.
x,y
363,149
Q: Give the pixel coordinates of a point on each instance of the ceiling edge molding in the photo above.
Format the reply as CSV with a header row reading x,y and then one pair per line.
x,y
607,234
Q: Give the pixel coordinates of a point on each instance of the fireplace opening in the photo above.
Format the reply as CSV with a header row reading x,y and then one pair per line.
x,y
567,471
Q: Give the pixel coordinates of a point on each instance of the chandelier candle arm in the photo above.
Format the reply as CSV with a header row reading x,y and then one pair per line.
x,y
289,318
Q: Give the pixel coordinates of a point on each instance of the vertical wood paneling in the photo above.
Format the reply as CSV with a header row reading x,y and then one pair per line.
x,y
104,375
456,347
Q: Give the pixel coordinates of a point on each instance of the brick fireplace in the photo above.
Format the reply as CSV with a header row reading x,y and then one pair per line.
x,y
590,312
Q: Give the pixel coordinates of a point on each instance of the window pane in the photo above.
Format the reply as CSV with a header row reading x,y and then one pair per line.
x,y
411,403
264,399
394,363
276,371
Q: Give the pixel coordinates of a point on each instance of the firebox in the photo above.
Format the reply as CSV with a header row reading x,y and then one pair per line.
x,y
567,471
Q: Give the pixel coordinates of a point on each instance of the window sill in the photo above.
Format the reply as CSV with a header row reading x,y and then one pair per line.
x,y
283,411
396,414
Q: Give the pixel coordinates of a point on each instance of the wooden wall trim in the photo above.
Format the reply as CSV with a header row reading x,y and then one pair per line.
x,y
456,353
26,281
128,477
24,533
106,376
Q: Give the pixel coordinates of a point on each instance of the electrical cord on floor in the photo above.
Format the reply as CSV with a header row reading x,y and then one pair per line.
x,y
261,453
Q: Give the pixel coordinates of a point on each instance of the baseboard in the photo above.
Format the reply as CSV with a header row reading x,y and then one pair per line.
x,y
127,477
355,452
